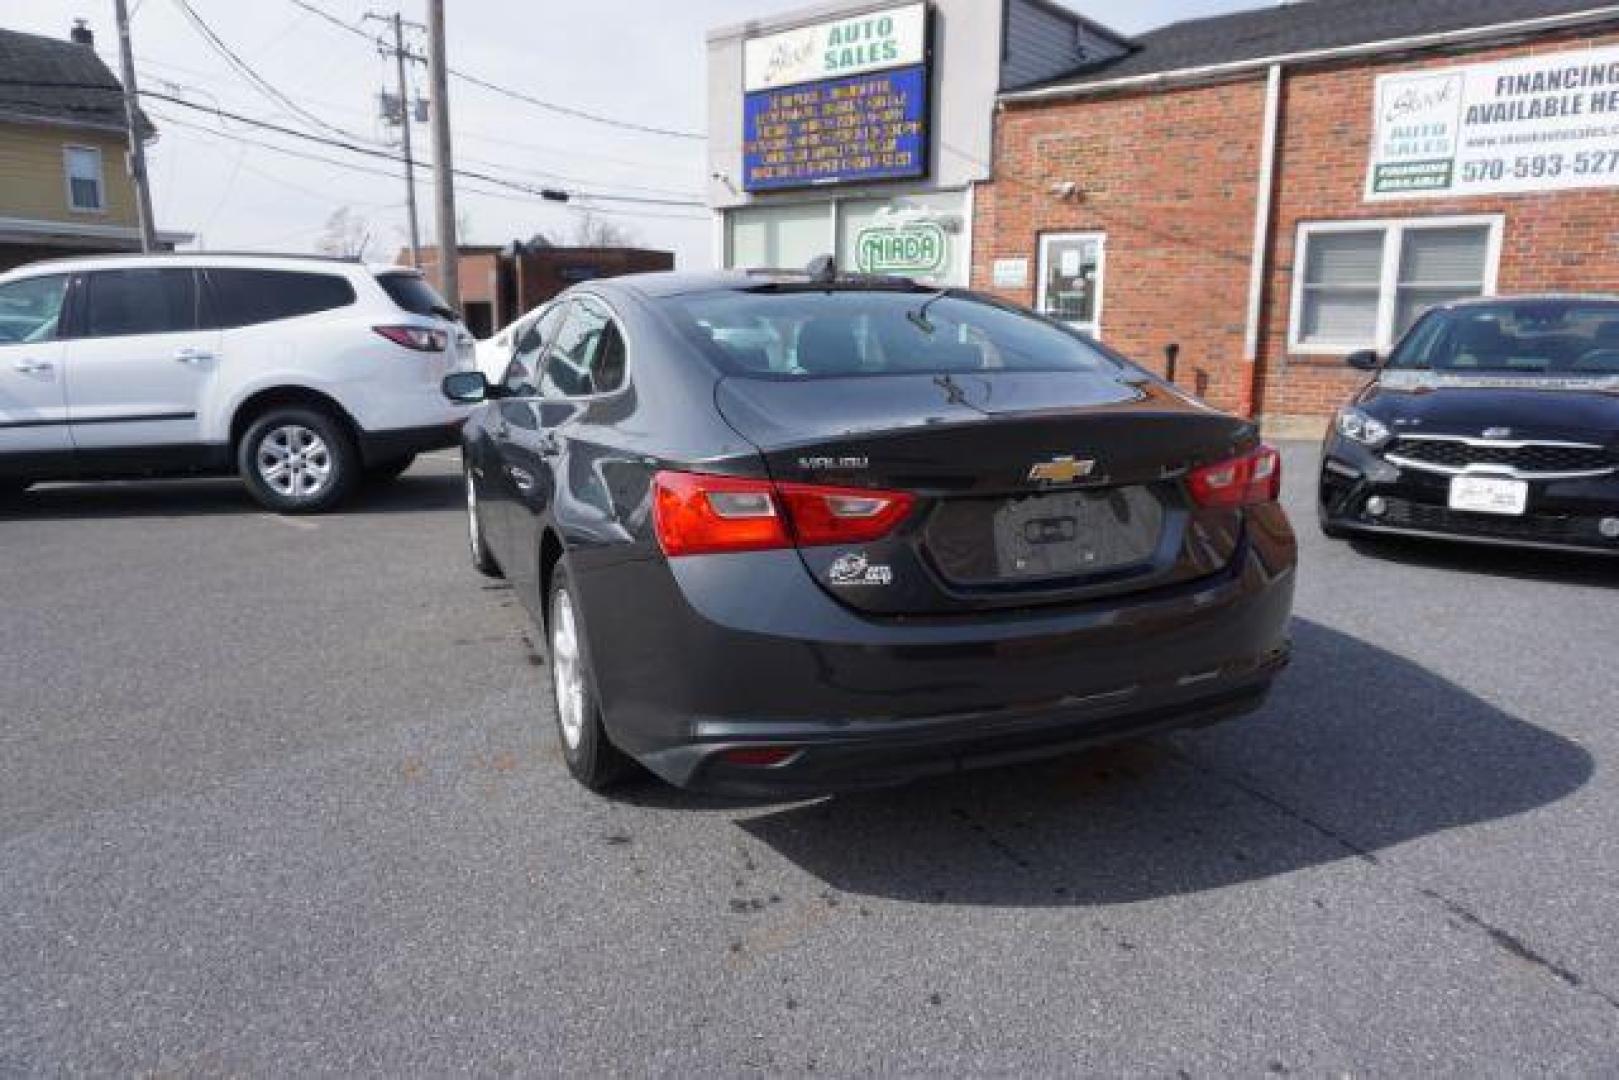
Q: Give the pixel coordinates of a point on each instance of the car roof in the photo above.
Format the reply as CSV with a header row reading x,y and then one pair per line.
x,y
1534,298
259,259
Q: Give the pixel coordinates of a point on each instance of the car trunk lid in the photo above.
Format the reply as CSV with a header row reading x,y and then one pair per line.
x,y
1031,487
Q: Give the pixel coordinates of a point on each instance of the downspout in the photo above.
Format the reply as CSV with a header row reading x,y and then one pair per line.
x,y
1262,235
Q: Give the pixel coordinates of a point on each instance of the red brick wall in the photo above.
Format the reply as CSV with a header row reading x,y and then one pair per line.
x,y
1171,177
1556,241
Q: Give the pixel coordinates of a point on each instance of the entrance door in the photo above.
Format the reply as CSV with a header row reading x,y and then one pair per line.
x,y
1071,269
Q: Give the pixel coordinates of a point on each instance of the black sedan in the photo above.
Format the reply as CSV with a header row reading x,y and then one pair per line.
x,y
791,535
1493,421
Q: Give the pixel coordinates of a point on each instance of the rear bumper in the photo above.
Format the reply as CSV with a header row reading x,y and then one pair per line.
x,y
379,447
830,756
695,657
1563,515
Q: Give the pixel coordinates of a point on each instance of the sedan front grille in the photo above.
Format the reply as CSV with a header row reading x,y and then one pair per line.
x,y
1542,528
1456,455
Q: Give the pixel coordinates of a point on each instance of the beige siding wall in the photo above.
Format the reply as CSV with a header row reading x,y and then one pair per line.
x,y
33,175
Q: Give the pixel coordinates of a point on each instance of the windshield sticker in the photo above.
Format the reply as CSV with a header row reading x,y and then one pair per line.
x,y
856,569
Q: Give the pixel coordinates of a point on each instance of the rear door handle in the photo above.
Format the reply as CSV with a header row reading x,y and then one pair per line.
x,y
521,477
33,367
192,356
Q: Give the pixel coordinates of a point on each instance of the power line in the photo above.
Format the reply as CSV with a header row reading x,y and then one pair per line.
x,y
547,193
263,85
518,95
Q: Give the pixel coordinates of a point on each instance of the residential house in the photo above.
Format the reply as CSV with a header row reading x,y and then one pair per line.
x,y
64,185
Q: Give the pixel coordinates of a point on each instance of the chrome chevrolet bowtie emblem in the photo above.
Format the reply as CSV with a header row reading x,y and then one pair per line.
x,y
1061,470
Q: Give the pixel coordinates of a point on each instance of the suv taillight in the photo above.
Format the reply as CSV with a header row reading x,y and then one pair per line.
x,y
1250,480
697,514
418,338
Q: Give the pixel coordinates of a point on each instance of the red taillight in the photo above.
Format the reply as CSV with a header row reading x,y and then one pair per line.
x,y
418,338
826,515
695,514
705,515
1249,480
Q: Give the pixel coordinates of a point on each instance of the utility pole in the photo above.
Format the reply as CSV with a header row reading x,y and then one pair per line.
x,y
401,54
449,258
132,117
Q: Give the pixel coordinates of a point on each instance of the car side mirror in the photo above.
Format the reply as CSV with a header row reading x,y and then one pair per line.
x,y
1364,360
466,387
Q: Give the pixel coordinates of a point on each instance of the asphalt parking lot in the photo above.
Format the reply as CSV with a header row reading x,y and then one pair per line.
x,y
280,796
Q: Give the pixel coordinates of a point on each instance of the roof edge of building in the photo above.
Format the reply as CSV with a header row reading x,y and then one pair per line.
x,y
1100,84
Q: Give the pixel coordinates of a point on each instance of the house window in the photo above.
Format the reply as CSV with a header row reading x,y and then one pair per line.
x,y
1071,268
84,188
1363,284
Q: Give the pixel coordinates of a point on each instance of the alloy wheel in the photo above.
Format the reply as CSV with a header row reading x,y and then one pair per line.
x,y
474,529
294,461
567,674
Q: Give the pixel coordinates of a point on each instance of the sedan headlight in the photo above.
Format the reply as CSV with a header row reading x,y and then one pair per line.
x,y
1363,428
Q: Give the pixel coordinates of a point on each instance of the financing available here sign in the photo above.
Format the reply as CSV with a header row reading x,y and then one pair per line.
x,y
1544,123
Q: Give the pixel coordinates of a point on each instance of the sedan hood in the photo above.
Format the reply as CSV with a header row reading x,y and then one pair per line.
x,y
1585,413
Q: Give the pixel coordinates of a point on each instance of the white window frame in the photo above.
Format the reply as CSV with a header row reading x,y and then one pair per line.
x,y
1394,230
1094,327
101,179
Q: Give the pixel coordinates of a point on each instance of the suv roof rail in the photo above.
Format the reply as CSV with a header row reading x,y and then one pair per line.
x,y
110,256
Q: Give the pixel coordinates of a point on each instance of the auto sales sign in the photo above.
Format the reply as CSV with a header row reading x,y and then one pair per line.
x,y
837,102
1544,123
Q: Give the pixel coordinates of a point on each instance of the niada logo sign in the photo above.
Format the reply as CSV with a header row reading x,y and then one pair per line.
x,y
830,50
914,247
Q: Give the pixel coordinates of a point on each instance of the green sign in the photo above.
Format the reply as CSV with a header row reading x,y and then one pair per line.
x,y
916,247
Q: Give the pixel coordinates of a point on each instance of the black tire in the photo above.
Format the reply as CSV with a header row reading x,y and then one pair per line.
x,y
388,471
483,560
591,756
266,440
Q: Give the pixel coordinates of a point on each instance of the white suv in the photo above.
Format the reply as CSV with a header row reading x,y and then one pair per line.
x,y
303,375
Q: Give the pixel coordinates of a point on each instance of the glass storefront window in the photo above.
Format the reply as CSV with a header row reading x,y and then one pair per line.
x,y
779,237
915,236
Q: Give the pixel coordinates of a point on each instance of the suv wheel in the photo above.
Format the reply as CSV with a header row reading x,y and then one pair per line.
x,y
298,461
592,758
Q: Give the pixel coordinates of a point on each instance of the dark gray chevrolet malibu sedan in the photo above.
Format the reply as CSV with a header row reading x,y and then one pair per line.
x,y
791,534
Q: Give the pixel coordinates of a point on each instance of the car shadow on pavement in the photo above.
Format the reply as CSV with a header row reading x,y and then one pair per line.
x,y
1526,564
225,497
1358,750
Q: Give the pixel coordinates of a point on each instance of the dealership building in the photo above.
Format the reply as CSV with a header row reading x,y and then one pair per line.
x,y
1255,195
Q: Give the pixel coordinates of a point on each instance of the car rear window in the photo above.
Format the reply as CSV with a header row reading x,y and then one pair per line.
x,y
412,293
251,297
823,334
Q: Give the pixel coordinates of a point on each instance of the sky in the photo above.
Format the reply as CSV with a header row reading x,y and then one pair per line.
x,y
640,61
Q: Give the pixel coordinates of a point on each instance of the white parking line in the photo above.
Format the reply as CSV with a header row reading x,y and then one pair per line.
x,y
290,522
